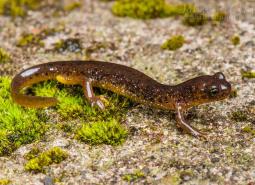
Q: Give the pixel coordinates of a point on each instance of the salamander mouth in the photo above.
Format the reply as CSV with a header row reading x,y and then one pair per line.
x,y
226,88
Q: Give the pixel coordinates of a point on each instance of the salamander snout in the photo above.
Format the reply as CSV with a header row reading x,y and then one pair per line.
x,y
219,87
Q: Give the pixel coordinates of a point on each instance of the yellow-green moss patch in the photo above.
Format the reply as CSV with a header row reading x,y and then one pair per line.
x,y
38,164
131,177
73,106
219,16
103,132
148,9
235,40
239,115
173,43
29,39
5,181
249,129
33,153
18,7
195,19
248,74
4,56
70,45
35,39
233,93
72,6
72,103
17,125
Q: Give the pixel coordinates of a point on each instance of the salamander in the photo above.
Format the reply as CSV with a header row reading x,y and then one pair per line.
x,y
125,81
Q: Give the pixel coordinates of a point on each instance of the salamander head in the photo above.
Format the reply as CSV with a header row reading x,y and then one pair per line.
x,y
206,89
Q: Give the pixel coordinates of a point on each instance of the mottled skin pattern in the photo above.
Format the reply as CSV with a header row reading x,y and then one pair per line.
x,y
122,80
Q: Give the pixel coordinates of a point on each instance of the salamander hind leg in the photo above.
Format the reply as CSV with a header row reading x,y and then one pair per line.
x,y
185,126
94,100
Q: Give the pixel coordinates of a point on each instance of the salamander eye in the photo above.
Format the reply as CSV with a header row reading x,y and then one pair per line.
x,y
213,91
219,75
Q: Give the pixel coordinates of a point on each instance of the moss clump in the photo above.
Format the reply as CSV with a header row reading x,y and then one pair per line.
x,y
72,6
32,39
103,132
69,45
173,43
239,115
249,129
144,9
17,125
179,10
248,74
70,106
17,7
29,40
219,16
72,103
195,19
54,155
4,56
5,181
233,93
33,153
148,9
235,40
131,177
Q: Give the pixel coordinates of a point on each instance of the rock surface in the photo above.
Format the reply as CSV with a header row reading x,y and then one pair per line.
x,y
160,151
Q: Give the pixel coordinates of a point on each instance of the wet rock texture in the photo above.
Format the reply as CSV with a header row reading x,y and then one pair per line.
x,y
155,146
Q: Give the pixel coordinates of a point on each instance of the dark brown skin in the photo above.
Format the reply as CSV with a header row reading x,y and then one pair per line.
x,y
125,81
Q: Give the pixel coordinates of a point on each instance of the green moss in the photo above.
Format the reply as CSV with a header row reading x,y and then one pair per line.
x,y
29,40
173,43
17,125
148,9
17,7
219,16
5,181
33,153
4,56
72,103
103,132
70,106
235,40
180,9
233,93
195,19
72,6
239,115
38,164
131,177
249,129
248,74
70,45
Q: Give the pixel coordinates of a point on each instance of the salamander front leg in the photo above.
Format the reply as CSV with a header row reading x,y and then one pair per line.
x,y
185,126
91,97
